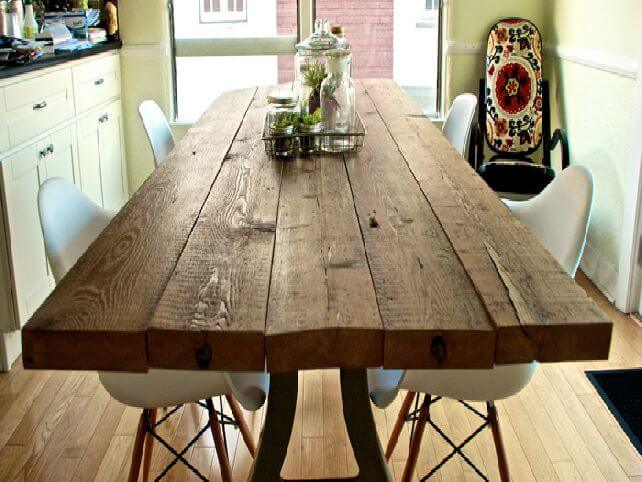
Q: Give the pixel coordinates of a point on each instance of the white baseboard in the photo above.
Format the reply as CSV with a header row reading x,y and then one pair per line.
x,y
10,349
601,271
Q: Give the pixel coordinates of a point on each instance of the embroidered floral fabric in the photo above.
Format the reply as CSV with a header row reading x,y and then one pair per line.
x,y
514,86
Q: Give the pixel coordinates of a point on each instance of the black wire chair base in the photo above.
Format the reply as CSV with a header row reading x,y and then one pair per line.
x,y
150,428
456,449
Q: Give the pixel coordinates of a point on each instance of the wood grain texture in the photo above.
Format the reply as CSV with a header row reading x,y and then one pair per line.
x,y
423,292
399,255
97,316
539,312
323,311
217,295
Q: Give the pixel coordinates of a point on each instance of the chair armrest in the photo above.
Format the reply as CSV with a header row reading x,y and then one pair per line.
x,y
559,136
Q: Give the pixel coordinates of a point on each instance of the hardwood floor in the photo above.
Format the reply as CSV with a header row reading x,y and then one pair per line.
x,y
63,426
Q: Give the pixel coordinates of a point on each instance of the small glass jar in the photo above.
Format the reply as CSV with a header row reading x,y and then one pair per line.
x,y
310,65
309,144
338,103
282,117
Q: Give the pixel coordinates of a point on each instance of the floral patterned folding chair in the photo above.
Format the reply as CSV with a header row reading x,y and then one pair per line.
x,y
514,114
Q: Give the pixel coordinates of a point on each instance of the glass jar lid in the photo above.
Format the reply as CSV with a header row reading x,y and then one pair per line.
x,y
320,40
283,97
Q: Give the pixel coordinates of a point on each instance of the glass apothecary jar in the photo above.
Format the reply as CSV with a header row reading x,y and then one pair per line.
x,y
310,65
338,104
282,118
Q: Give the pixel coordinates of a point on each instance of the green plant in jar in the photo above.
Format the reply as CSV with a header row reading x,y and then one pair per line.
x,y
310,124
313,77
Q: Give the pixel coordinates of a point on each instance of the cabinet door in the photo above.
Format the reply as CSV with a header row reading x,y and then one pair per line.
x,y
89,159
22,174
61,158
112,173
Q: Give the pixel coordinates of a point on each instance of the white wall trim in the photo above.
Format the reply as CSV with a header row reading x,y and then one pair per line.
x,y
613,64
154,50
601,271
459,48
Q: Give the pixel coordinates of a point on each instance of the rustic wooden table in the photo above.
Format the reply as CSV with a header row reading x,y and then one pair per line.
x,y
398,256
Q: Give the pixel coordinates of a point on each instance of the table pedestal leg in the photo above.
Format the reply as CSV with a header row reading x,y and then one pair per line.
x,y
361,427
273,444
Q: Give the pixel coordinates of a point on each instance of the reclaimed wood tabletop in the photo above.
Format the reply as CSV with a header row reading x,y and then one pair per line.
x,y
397,256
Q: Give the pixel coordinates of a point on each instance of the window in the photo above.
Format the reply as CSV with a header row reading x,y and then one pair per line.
x,y
214,52
213,11
393,41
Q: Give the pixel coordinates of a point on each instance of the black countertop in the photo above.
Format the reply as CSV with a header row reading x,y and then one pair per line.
x,y
49,60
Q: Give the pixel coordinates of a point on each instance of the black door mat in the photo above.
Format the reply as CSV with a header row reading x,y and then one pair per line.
x,y
621,390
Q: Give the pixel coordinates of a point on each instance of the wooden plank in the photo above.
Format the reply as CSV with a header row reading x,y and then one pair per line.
x,y
538,310
430,310
322,310
97,316
216,299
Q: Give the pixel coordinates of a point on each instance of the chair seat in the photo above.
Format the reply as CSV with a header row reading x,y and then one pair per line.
x,y
521,177
166,388
496,383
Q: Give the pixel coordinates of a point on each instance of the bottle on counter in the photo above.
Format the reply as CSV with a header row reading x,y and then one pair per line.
x,y
15,6
30,28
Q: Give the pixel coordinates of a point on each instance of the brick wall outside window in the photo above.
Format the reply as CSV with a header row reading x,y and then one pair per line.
x,y
369,29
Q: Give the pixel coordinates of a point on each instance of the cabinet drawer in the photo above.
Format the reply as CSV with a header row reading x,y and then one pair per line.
x,y
96,82
36,105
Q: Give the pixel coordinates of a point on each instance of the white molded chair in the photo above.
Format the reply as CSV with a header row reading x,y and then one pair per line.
x,y
158,131
559,217
70,222
459,121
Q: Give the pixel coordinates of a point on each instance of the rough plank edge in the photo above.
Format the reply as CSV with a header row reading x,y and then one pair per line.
x,y
401,349
220,348
324,348
101,351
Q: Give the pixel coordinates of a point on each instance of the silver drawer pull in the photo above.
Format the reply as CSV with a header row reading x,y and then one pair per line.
x,y
99,82
47,151
40,105
103,118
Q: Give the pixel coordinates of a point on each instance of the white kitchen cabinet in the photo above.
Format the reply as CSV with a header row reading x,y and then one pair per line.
x,y
102,163
64,121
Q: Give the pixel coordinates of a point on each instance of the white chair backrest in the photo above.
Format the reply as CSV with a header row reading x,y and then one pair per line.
x,y
459,121
559,216
158,131
70,221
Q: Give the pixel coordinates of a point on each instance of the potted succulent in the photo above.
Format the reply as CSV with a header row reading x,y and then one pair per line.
x,y
310,124
283,129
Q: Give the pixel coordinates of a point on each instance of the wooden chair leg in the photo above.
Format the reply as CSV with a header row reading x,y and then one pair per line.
x,y
415,444
217,434
401,419
149,447
137,452
243,427
493,419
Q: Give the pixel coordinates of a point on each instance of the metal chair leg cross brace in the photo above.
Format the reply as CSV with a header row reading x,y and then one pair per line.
x,y
420,416
147,433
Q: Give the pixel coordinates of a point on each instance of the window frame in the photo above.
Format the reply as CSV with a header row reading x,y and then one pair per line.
x,y
269,45
224,15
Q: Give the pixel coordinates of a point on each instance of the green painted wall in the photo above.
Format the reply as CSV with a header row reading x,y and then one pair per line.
x,y
468,22
597,109
146,74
